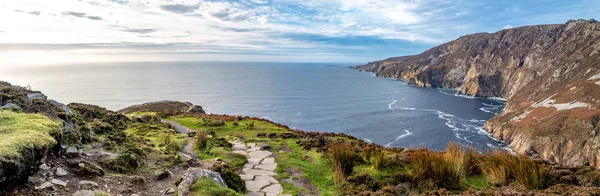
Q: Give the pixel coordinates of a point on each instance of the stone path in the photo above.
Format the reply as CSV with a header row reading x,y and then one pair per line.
x,y
259,172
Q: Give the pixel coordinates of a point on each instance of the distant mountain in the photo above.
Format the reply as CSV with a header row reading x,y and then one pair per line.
x,y
550,75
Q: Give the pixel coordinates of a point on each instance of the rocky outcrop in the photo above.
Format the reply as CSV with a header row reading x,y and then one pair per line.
x,y
165,107
550,75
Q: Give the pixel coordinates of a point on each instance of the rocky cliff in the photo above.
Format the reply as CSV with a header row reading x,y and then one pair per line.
x,y
550,75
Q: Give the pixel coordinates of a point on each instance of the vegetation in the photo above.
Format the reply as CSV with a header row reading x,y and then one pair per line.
x,y
343,156
20,131
501,168
207,187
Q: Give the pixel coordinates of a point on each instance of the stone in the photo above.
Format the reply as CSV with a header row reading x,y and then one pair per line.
x,y
44,167
163,174
90,168
267,178
254,161
58,182
260,154
60,172
71,152
268,160
256,194
62,106
251,145
256,185
258,172
11,106
34,180
268,166
253,149
88,183
134,195
240,152
84,193
239,146
249,166
185,157
35,96
273,189
170,191
193,174
247,177
44,186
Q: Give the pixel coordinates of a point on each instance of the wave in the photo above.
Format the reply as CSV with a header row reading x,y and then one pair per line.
x,y
406,134
390,105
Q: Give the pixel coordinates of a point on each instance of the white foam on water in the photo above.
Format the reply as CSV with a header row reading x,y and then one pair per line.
x,y
406,134
367,140
390,105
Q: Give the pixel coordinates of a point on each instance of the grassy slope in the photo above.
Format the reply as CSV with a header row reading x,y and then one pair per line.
x,y
21,131
315,168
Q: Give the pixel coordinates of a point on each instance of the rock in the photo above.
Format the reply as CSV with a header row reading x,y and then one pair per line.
x,y
84,193
184,157
247,177
260,154
267,178
90,168
71,152
34,180
11,106
44,167
256,185
35,96
169,191
196,109
239,146
267,166
273,189
254,161
44,186
193,174
164,174
268,161
258,172
62,106
86,183
256,194
60,172
240,152
58,182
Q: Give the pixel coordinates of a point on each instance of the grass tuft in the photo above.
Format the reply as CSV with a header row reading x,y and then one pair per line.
x,y
447,169
343,158
502,168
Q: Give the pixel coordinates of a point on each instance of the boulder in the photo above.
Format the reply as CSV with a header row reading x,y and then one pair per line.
x,y
193,174
60,172
90,168
71,151
11,106
58,182
62,106
35,96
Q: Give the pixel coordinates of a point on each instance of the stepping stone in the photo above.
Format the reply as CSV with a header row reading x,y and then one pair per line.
x,y
268,178
239,146
240,152
258,172
252,145
268,166
256,185
268,160
260,154
273,189
254,161
253,149
256,194
249,166
247,177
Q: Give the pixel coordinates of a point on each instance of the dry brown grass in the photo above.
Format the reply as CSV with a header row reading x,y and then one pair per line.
x,y
501,168
445,169
343,157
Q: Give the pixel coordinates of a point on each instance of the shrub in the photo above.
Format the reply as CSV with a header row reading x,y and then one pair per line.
x,y
343,157
238,135
231,178
206,186
502,168
212,123
201,140
446,169
250,125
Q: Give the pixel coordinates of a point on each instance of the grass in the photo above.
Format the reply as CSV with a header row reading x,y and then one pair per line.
x,y
207,187
20,131
343,157
447,169
158,135
502,168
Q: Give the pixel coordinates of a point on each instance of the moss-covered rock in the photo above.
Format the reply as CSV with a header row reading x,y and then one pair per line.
x,y
24,141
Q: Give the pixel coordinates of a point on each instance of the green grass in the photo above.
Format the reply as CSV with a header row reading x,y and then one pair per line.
x,y
207,187
157,134
229,128
20,131
477,182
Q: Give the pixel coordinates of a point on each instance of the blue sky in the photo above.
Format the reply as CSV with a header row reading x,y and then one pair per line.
x,y
352,31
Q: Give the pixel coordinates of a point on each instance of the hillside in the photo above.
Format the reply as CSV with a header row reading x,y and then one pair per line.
x,y
549,74
157,150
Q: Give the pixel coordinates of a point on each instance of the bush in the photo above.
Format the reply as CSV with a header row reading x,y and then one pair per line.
x,y
343,157
250,125
201,140
377,158
231,178
212,123
446,169
502,168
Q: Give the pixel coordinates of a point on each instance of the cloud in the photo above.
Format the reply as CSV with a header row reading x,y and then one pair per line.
x,y
81,15
139,31
507,27
37,13
180,8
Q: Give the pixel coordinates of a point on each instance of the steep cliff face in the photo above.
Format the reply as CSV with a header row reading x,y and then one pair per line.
x,y
550,75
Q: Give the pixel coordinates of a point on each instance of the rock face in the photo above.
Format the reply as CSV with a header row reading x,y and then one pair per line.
x,y
550,75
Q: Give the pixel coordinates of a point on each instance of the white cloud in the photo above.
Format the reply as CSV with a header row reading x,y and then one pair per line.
x,y
507,27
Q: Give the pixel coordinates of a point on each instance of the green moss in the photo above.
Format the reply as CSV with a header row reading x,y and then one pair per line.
x,y
159,135
207,187
101,193
478,182
20,131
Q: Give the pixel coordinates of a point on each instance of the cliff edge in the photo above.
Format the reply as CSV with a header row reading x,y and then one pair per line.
x,y
550,75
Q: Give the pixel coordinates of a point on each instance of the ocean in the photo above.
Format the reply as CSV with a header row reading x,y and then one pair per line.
x,y
310,97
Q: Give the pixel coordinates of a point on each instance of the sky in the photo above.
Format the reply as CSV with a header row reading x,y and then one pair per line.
x,y
345,31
